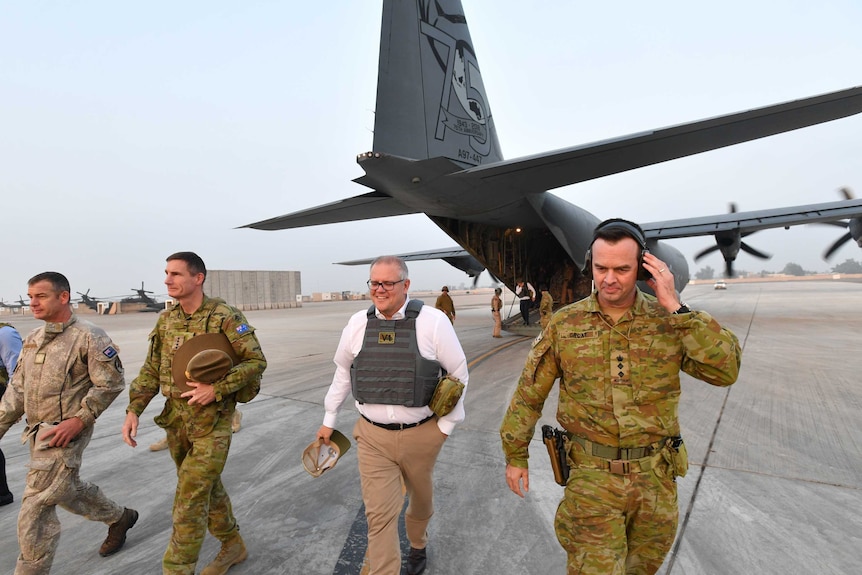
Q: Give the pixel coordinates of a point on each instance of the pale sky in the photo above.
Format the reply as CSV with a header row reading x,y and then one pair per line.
x,y
131,130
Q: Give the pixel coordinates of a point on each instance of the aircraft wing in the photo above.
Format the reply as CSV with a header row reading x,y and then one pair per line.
x,y
754,220
551,170
364,207
439,254
456,257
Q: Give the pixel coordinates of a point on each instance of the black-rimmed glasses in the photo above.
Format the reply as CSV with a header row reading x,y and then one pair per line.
x,y
387,286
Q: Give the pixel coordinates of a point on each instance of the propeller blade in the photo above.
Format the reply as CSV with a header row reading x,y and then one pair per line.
x,y
756,253
838,243
728,268
847,193
708,250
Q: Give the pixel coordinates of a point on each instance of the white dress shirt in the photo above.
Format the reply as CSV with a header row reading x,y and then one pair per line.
x,y
436,340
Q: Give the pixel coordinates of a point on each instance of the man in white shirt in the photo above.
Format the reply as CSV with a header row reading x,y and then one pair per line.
x,y
398,436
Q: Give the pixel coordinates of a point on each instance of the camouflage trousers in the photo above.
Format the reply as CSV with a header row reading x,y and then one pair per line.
x,y
51,481
617,524
200,502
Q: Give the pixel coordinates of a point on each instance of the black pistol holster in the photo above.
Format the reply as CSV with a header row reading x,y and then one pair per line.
x,y
555,441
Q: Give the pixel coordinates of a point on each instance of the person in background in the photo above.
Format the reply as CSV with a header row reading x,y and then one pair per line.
x,y
546,306
496,306
10,347
445,304
526,296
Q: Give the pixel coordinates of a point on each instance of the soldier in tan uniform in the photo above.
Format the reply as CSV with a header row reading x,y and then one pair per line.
x,y
197,420
445,304
496,306
617,355
68,373
546,306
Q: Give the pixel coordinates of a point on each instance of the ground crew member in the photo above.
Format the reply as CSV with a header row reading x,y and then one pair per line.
x,y
496,306
445,304
546,306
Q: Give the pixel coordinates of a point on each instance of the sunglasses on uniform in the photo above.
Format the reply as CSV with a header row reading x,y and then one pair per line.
x,y
387,286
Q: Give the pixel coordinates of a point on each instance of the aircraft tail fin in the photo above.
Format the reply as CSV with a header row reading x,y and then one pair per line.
x,y
431,101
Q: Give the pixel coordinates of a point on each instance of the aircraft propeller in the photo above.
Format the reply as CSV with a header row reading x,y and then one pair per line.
x,y
854,229
729,243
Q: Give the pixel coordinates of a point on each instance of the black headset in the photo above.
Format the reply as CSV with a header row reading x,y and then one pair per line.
x,y
631,230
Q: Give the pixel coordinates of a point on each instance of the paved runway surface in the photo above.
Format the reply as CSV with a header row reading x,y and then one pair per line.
x,y
775,484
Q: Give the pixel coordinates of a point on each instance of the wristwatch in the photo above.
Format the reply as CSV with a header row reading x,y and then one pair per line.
x,y
682,309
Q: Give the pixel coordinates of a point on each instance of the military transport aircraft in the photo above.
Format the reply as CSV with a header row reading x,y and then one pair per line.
x,y
436,152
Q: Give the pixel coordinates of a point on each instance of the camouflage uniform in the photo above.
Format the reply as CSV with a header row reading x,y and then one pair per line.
x,y
198,436
619,388
546,308
65,370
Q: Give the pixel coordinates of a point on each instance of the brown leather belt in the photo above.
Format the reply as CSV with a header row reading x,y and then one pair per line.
x,y
397,426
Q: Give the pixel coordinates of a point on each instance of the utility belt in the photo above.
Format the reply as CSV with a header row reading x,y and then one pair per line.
x,y
563,448
608,452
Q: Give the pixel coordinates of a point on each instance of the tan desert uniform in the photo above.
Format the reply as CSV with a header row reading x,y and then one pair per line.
x,y
65,370
619,400
446,305
198,436
496,306
546,308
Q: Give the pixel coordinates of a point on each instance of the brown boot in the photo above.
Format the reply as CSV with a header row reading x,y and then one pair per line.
x,y
117,532
232,552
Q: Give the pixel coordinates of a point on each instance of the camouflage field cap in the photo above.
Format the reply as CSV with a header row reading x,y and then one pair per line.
x,y
318,457
205,358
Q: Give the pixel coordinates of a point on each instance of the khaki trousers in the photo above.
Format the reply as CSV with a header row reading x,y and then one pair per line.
x,y
498,323
386,459
51,481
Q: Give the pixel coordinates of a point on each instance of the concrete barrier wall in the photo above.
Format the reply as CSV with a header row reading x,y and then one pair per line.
x,y
255,290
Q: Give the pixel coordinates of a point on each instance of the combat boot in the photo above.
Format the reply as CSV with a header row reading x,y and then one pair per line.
x,y
117,532
231,553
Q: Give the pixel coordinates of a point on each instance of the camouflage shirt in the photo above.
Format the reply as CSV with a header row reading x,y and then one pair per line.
x,y
619,385
174,328
65,370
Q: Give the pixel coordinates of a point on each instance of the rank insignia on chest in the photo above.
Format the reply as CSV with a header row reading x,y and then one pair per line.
x,y
178,341
39,359
386,337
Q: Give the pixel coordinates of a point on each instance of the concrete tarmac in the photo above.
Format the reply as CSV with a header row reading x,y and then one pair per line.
x,y
775,483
